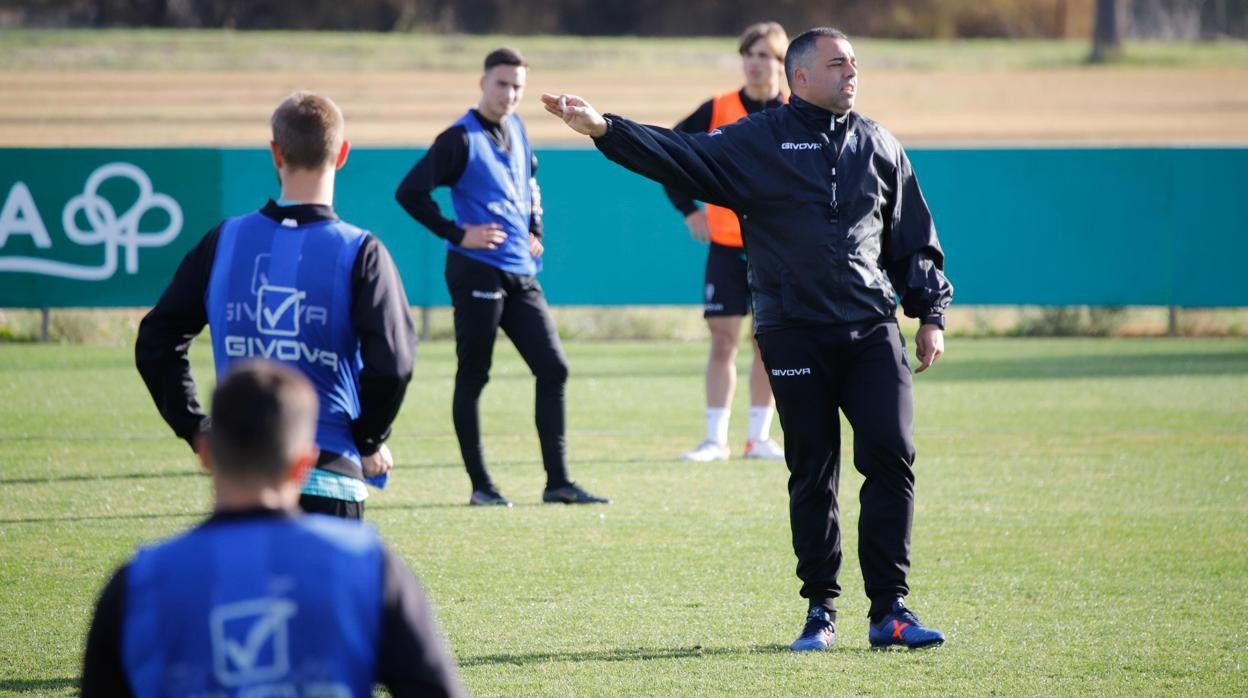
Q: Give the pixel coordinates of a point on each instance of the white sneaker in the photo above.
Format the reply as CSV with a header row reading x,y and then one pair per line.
x,y
766,449
706,452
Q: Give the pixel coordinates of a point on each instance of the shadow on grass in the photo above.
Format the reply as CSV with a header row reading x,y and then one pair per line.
x,y
369,508
205,514
178,474
88,478
1129,365
400,467
675,370
56,438
107,517
620,655
37,685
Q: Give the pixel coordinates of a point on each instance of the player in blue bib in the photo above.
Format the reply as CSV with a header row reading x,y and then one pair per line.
x,y
261,599
494,252
293,282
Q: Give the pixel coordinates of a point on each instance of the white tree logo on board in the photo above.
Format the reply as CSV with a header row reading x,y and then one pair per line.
x,y
20,216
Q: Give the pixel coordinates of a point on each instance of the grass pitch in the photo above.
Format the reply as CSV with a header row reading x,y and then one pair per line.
x,y
1081,524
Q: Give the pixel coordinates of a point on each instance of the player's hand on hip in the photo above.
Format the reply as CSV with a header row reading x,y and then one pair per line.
x,y
535,246
379,463
487,236
578,114
698,228
929,345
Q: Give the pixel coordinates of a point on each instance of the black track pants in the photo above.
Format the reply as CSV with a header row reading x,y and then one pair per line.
x,y
485,299
860,370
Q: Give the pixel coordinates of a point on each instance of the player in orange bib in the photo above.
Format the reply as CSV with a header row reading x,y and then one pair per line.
x,y
726,292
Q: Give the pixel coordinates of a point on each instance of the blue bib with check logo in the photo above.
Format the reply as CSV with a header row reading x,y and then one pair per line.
x,y
282,291
256,606
495,188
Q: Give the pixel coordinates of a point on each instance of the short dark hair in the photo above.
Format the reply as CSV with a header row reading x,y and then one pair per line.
x,y
308,130
263,414
801,46
504,56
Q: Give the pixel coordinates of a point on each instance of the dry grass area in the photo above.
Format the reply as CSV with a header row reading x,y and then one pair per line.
x,y
1060,106
680,323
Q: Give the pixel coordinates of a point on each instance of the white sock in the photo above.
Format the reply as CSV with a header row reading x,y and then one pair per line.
x,y
760,422
717,424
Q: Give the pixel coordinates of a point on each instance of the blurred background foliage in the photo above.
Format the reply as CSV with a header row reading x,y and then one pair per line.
x,y
927,19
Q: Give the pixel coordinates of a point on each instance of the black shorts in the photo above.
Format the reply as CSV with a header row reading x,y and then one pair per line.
x,y
315,504
727,290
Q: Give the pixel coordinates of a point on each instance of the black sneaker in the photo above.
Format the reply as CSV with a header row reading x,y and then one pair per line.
x,y
487,498
572,494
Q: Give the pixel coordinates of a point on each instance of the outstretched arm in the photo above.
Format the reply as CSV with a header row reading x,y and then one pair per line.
x,y
695,216
697,122
710,167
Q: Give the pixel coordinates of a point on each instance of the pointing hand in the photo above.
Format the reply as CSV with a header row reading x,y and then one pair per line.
x,y
578,114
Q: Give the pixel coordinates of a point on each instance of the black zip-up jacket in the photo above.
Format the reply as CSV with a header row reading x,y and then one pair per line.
x,y
831,212
700,122
379,314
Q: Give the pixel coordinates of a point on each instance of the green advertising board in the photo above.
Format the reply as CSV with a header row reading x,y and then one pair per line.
x,y
98,227
1138,226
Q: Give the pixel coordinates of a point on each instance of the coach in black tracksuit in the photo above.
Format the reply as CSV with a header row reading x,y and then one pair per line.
x,y
836,229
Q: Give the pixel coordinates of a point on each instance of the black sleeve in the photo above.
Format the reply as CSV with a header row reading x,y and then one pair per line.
x,y
441,166
912,253
379,314
414,659
697,122
165,337
701,165
535,220
102,671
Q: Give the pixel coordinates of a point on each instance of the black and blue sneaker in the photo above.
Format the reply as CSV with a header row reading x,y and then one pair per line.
x,y
819,633
901,627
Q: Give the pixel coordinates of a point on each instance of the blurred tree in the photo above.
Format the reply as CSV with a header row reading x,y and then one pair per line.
x,y
143,13
1167,19
927,19
1225,19
1106,32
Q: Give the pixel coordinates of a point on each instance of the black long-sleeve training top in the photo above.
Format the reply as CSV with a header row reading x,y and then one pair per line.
x,y
413,658
700,122
379,315
442,166
831,212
